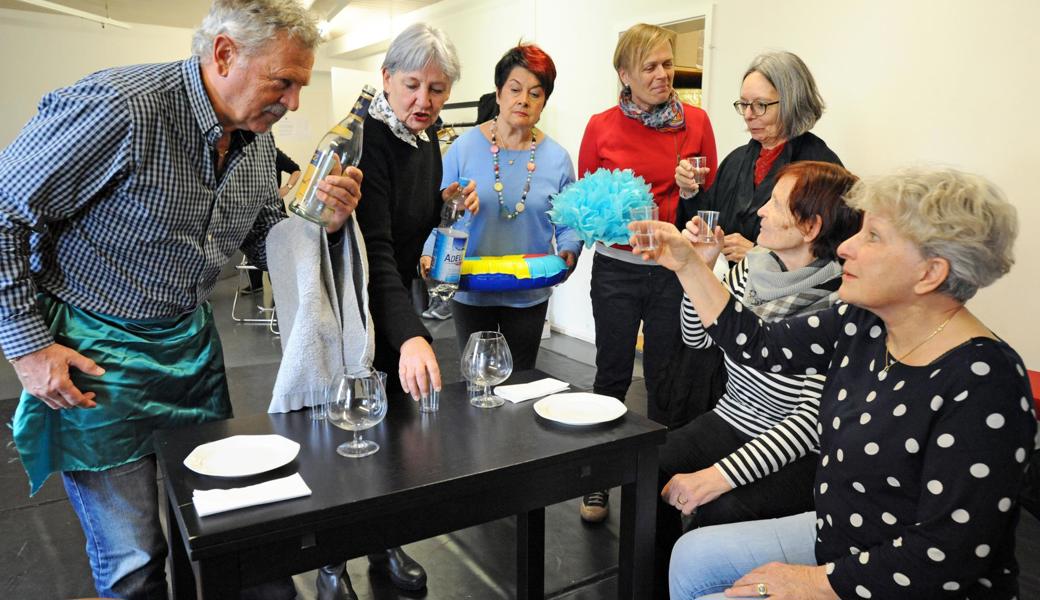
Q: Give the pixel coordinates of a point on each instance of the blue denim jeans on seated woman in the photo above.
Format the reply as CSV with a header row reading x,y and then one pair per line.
x,y
118,509
706,561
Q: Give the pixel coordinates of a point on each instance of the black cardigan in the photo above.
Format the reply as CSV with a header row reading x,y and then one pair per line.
x,y
734,193
400,204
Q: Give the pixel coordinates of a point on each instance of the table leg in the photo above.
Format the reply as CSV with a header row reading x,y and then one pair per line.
x,y
530,554
636,554
182,578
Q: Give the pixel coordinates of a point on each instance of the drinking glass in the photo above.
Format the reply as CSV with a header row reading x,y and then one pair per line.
x,y
697,163
357,402
709,220
644,234
486,361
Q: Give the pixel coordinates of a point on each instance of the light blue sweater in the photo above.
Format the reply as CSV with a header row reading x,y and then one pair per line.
x,y
491,233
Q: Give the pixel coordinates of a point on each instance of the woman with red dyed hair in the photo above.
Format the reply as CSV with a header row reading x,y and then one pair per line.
x,y
517,168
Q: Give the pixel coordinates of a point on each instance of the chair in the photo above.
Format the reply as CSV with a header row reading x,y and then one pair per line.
x,y
268,315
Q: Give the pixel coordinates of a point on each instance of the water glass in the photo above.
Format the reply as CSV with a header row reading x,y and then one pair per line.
x,y
320,409
709,221
644,233
486,361
431,402
699,164
358,402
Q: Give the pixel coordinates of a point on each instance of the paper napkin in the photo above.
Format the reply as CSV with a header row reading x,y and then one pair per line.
x,y
209,502
535,389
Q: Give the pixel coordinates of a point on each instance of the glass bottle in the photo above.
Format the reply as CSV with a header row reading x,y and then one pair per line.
x,y
449,246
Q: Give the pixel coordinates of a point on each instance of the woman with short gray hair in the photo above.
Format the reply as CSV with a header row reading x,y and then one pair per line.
x,y
780,104
403,200
926,423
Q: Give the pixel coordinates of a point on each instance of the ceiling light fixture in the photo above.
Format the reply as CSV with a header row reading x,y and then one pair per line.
x,y
76,13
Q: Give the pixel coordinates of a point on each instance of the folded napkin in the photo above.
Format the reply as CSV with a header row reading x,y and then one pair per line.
x,y
209,502
526,391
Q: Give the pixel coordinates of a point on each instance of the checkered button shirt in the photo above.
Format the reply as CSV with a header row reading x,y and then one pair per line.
x,y
110,200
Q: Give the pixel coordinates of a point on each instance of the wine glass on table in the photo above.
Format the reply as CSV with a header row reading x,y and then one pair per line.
x,y
486,361
357,401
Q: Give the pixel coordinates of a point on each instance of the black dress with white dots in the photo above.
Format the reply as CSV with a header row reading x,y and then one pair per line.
x,y
920,467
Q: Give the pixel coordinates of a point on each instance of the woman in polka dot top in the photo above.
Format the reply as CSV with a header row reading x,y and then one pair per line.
x,y
926,422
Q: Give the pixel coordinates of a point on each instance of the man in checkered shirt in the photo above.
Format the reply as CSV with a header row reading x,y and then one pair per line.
x,y
120,201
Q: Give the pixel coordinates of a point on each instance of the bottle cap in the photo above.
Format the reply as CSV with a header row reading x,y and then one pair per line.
x,y
463,181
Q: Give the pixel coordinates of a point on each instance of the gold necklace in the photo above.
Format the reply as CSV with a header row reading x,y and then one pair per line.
x,y
938,330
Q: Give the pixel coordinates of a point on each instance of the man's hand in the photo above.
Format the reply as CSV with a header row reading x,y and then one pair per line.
x,y
687,491
45,375
340,191
418,368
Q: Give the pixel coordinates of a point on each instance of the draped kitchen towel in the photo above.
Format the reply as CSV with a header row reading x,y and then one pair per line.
x,y
321,293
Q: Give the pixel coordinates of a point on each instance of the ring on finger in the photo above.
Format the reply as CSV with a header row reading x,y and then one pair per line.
x,y
680,500
762,589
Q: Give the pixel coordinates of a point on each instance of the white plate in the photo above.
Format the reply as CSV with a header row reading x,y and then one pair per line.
x,y
579,408
242,455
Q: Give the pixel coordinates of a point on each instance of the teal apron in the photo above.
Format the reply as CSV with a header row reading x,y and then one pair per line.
x,y
159,373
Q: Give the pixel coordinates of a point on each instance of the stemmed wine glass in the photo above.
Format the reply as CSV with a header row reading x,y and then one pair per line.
x,y
357,401
486,361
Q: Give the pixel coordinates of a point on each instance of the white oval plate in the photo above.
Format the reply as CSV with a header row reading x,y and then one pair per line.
x,y
579,408
242,455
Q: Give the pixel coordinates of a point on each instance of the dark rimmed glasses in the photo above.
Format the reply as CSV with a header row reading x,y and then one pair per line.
x,y
758,108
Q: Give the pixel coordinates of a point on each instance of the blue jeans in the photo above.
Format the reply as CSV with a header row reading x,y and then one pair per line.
x,y
706,561
118,509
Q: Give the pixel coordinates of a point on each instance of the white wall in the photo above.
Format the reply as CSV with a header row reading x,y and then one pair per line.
x,y
44,51
949,82
932,81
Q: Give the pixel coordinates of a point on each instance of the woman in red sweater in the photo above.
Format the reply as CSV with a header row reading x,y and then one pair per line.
x,y
649,131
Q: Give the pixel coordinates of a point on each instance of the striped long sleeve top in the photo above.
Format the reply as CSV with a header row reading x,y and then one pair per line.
x,y
779,412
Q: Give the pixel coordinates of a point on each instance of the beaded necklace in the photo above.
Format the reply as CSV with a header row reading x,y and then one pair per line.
x,y
519,207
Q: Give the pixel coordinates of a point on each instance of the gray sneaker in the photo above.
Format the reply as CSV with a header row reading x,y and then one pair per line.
x,y
439,309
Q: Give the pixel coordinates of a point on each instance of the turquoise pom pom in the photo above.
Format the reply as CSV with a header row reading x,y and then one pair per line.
x,y
597,205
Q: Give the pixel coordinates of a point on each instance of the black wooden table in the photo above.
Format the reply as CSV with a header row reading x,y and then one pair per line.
x,y
433,474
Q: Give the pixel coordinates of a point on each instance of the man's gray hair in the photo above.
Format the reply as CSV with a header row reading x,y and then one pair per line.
x,y
419,45
254,23
800,103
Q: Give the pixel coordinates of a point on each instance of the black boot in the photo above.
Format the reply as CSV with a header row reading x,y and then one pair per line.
x,y
401,568
334,583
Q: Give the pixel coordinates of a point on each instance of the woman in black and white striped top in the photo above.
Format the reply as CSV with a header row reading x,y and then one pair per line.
x,y
749,457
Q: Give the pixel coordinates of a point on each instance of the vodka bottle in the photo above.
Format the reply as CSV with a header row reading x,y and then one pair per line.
x,y
343,142
449,246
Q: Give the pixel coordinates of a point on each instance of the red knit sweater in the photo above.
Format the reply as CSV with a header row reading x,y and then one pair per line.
x,y
614,141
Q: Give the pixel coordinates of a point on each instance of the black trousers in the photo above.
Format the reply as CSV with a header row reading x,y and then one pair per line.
x,y
522,328
699,445
624,294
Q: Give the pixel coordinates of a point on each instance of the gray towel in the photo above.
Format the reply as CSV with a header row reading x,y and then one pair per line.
x,y
322,297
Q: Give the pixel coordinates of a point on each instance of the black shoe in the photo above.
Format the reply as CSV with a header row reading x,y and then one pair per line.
x,y
334,583
401,568
595,507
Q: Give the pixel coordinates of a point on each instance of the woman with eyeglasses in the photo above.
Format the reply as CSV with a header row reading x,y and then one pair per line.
x,y
780,104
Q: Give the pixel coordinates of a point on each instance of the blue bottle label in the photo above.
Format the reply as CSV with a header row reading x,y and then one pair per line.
x,y
449,250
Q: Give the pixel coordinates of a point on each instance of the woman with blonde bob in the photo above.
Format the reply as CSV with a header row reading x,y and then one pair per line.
x,y
648,131
925,420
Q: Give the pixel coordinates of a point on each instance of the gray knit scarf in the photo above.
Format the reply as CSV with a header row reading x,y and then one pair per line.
x,y
774,293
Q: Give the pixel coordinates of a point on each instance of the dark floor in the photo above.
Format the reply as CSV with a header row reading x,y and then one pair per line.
x,y
41,545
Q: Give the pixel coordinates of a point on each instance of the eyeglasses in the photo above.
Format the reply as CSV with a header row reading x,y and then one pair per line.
x,y
758,108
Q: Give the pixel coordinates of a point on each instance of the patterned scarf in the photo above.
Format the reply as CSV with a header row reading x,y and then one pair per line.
x,y
775,293
668,116
382,111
